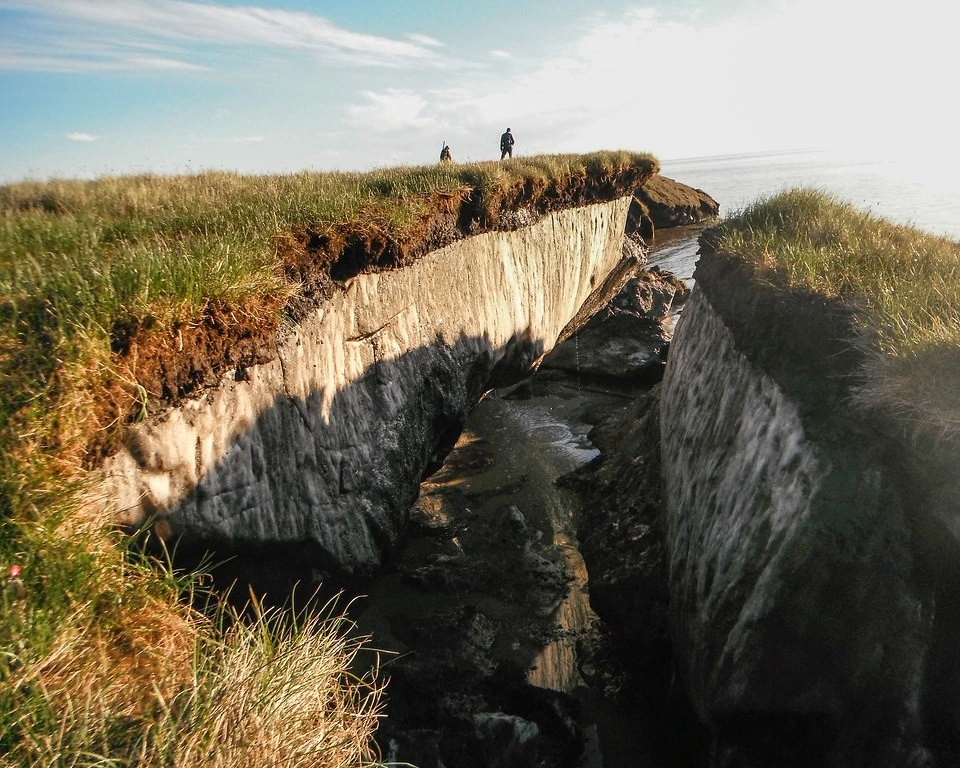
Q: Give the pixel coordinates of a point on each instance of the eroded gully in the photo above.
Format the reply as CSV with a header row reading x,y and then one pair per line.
x,y
493,652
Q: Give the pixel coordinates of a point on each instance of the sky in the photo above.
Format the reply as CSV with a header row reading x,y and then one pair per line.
x,y
107,87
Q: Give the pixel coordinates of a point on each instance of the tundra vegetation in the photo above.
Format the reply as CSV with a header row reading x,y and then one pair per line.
x,y
903,283
107,660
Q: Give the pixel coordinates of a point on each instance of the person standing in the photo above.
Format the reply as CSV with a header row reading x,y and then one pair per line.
x,y
445,156
506,145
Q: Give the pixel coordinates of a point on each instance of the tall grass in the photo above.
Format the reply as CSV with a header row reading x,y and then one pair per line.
x,y
141,680
277,693
906,284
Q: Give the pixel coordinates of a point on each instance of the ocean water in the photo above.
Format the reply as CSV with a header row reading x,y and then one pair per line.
x,y
921,193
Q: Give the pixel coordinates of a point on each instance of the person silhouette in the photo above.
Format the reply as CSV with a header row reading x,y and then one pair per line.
x,y
506,144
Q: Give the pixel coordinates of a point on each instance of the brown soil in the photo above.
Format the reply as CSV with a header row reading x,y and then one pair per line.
x,y
663,202
172,363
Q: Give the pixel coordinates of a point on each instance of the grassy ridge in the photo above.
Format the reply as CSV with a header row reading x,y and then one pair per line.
x,y
906,284
166,245
102,664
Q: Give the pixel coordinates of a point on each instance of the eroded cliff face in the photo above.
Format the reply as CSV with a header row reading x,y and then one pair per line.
x,y
327,443
808,606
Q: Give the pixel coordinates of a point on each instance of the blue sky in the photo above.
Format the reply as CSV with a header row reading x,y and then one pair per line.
x,y
93,87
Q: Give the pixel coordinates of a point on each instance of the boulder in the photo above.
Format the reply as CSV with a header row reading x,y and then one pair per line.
x,y
627,339
662,202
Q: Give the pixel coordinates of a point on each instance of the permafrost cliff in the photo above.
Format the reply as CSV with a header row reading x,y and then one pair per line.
x,y
810,545
327,444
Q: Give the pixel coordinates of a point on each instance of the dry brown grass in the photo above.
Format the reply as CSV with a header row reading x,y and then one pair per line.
x,y
152,686
105,663
281,695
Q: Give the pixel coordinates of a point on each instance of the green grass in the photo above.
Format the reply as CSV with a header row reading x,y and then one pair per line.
x,y
103,664
908,281
93,251
904,282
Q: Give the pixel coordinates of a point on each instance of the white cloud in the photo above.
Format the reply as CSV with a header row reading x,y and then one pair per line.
x,y
420,39
64,62
795,74
191,23
159,63
78,136
801,73
390,110
768,75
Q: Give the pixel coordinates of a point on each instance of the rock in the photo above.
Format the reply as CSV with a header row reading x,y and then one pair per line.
x,y
547,576
628,338
505,741
459,709
430,577
419,747
512,518
428,517
653,294
622,347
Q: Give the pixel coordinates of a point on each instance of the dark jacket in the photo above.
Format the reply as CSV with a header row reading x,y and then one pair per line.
x,y
506,141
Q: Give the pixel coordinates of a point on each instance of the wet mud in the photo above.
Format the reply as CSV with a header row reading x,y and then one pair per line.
x,y
484,614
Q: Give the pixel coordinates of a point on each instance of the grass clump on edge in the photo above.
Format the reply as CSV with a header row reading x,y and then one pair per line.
x,y
277,692
905,284
98,275
131,675
92,251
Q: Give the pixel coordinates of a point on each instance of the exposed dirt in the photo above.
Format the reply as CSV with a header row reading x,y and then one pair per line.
x,y
661,202
157,366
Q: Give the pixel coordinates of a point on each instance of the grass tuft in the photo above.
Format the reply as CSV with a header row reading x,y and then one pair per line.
x,y
105,664
904,282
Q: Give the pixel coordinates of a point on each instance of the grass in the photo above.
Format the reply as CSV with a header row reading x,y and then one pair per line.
x,y
104,663
82,262
165,246
133,677
905,283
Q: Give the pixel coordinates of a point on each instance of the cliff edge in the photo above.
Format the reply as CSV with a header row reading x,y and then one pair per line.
x,y
812,568
326,444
